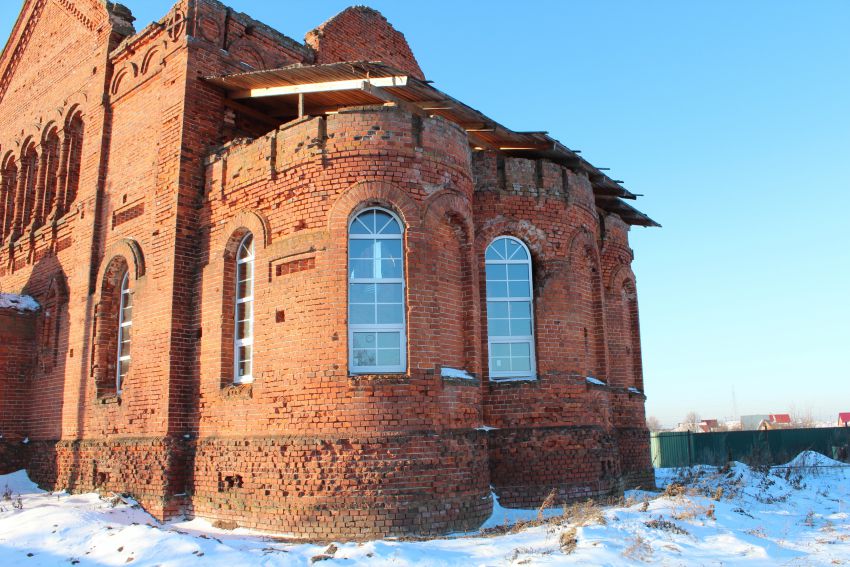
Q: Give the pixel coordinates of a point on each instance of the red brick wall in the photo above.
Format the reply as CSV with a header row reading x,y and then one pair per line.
x,y
17,363
360,33
169,206
551,209
324,170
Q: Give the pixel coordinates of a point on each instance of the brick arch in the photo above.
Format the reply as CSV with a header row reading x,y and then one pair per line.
x,y
71,160
245,53
619,275
366,194
623,308
450,237
583,256
128,69
153,56
584,237
50,127
128,249
74,103
533,237
49,172
8,186
251,220
54,310
72,110
25,208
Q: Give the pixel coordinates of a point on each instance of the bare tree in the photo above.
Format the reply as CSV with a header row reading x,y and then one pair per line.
x,y
653,423
692,420
802,418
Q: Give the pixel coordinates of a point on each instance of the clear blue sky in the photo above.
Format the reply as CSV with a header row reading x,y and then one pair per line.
x,y
733,118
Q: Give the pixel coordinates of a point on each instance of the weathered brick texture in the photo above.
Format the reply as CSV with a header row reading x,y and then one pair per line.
x,y
118,158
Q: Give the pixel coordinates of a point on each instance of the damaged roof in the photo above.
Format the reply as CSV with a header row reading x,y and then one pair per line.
x,y
299,90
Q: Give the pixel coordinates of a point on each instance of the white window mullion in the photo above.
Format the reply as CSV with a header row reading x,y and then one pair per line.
x,y
122,358
376,346
512,346
243,328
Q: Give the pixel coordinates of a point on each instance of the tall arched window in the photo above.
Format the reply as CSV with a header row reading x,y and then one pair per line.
x,y
376,334
243,337
125,323
510,321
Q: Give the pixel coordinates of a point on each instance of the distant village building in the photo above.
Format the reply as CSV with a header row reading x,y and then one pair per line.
x,y
776,421
844,419
752,422
780,418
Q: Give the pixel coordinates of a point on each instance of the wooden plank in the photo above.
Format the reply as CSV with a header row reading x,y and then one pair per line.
x,y
348,85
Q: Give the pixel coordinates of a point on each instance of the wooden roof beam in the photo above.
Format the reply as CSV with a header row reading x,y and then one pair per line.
x,y
347,85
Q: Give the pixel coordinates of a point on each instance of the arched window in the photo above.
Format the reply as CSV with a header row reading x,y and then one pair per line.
x,y
376,335
243,337
125,324
510,321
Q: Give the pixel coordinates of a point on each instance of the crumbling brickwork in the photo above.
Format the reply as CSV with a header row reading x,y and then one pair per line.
x,y
129,179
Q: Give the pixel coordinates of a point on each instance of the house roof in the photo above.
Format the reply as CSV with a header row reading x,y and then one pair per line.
x,y
780,418
844,416
298,90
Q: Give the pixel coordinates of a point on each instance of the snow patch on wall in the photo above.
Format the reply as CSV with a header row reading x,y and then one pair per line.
x,y
18,302
447,372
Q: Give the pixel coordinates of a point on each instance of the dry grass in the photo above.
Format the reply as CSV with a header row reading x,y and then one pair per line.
x,y
639,550
666,526
568,540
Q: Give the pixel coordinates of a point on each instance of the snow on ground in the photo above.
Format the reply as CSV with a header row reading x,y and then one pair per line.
x,y
798,514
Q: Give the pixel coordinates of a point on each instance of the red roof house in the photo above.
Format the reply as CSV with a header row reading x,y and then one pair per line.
x,y
780,418
844,419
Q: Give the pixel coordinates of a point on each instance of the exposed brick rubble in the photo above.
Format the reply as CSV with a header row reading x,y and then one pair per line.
x,y
128,162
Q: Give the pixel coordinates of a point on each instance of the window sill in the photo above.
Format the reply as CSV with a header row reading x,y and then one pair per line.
x,y
109,399
384,378
243,391
516,381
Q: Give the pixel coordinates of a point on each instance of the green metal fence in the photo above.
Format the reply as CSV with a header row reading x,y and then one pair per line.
x,y
673,449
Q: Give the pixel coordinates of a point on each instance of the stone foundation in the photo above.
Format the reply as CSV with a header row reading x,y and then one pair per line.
x,y
578,463
424,483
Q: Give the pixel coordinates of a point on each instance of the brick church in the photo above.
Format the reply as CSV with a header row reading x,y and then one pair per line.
x,y
296,286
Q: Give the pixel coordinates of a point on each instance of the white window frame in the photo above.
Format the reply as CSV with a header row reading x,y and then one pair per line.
x,y
531,374
122,325
249,298
401,328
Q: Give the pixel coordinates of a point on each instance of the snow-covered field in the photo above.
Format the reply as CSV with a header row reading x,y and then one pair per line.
x,y
799,515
